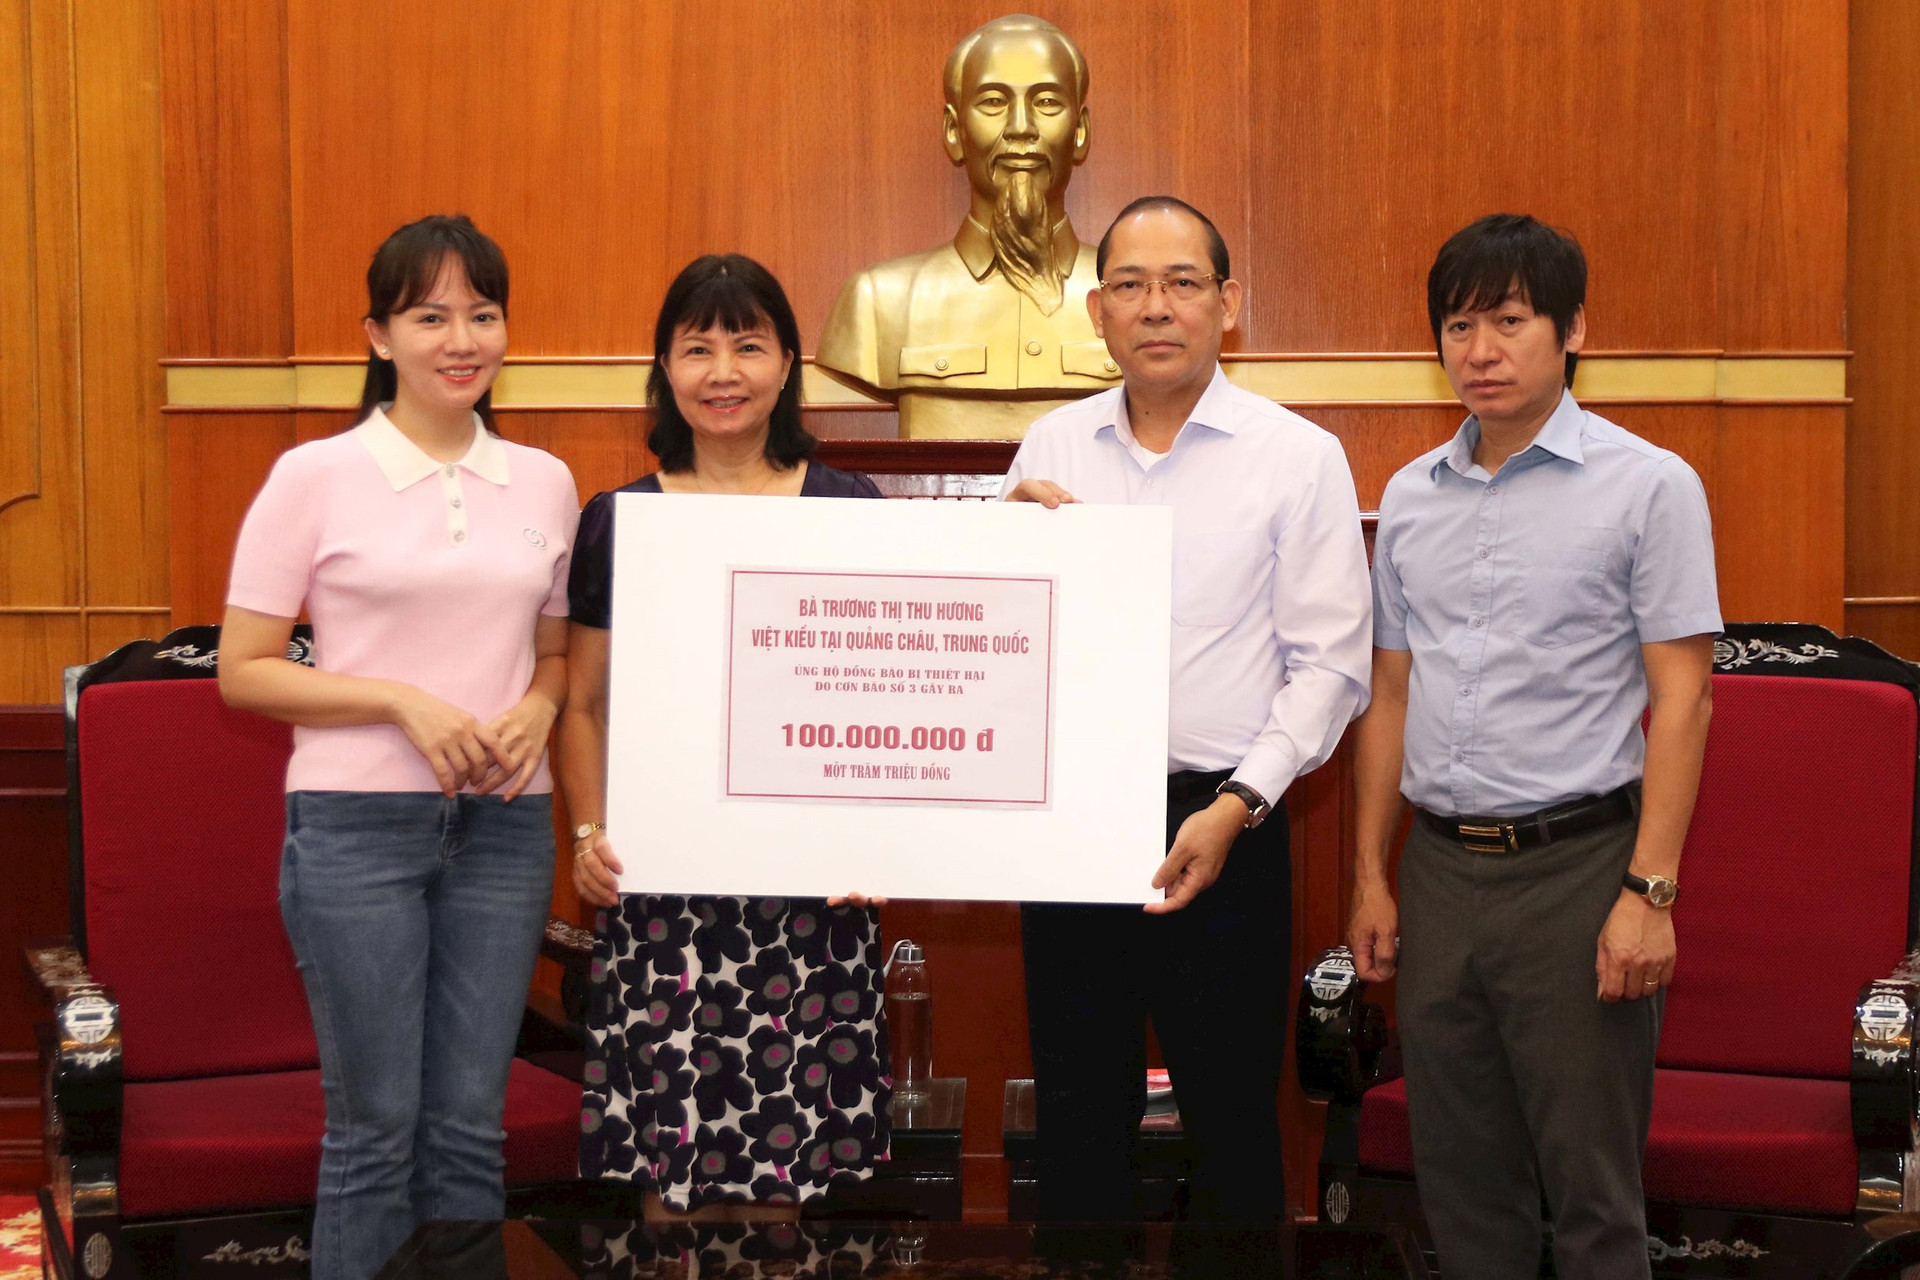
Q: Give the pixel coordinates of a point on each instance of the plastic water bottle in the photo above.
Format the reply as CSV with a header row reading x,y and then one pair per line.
x,y
910,1019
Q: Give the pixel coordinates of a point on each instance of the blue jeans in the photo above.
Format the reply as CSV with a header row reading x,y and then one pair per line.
x,y
416,920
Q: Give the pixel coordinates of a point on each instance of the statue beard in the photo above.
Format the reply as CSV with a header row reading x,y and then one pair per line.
x,y
1022,236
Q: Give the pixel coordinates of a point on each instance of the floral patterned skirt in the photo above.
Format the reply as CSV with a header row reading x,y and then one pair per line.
x,y
735,1251
737,1048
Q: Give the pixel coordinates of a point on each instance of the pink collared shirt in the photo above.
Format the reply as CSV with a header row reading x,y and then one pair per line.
x,y
411,570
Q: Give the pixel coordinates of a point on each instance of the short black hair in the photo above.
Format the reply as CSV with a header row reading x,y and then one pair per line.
x,y
404,270
1216,243
1482,263
736,293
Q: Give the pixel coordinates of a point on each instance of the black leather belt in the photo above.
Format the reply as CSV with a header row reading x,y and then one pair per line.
x,y
1531,830
1188,783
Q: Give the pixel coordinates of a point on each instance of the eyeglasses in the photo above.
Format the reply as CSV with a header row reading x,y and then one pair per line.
x,y
1182,288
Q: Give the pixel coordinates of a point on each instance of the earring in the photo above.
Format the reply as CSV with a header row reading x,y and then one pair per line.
x,y
383,353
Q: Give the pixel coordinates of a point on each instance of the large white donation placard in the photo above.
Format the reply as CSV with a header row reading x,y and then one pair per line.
x,y
912,699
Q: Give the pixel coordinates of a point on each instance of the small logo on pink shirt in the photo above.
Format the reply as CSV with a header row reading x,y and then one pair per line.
x,y
536,537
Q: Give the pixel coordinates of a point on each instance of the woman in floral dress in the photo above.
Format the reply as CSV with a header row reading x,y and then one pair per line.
x,y
737,1049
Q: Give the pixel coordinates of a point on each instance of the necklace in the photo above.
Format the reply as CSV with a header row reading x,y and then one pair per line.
x,y
700,484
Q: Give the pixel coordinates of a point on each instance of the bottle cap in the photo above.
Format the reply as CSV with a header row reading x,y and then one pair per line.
x,y
906,951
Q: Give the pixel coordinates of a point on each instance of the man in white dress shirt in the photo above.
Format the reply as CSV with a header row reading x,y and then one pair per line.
x,y
1270,661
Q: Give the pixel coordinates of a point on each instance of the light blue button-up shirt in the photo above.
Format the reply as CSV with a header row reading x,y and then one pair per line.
x,y
1269,650
1524,598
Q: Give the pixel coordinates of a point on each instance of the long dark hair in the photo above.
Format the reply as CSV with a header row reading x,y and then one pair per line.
x,y
404,270
736,293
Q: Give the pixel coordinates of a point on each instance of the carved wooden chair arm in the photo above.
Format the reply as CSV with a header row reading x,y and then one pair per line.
x,y
567,944
54,967
1338,1037
571,947
1885,1076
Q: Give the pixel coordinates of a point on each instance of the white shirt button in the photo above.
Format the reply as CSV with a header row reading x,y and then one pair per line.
x,y
1493,491
1484,553
459,535
1476,623
448,471
1033,348
455,502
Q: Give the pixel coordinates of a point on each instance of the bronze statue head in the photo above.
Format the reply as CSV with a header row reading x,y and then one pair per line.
x,y
1016,118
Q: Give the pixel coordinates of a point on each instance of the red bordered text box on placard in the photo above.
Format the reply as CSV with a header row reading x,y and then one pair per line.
x,y
857,700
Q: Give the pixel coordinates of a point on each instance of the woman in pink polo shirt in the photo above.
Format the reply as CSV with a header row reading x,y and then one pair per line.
x,y
432,558
737,1050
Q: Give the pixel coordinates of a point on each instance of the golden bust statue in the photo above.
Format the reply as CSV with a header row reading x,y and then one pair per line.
x,y
982,335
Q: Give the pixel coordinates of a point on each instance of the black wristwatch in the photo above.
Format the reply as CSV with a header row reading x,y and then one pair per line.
x,y
1257,807
1657,890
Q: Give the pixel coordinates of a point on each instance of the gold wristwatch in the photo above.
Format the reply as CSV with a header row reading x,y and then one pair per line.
x,y
1657,890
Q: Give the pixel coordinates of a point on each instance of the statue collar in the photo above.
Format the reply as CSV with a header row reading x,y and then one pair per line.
x,y
974,244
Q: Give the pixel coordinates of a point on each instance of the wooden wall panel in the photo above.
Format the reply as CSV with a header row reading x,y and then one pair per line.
x,y
604,450
1782,178
1883,309
1387,126
83,536
38,647
1895,628
1378,442
228,238
546,123
1779,500
782,156
19,427
218,461
1394,124
40,491
117,85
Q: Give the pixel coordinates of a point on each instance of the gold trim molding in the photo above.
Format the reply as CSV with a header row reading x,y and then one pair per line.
x,y
1333,379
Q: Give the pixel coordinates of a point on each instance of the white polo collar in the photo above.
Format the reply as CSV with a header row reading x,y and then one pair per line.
x,y
404,463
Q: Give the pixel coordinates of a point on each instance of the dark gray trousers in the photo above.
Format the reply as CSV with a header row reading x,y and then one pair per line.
x,y
1521,1083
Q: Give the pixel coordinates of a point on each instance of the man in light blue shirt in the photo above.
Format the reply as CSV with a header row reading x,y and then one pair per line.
x,y
1540,581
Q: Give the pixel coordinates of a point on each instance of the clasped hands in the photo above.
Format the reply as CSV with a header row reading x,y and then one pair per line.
x,y
502,753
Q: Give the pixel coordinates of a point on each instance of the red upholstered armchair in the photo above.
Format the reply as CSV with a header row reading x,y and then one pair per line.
x,y
1782,1141
180,1076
